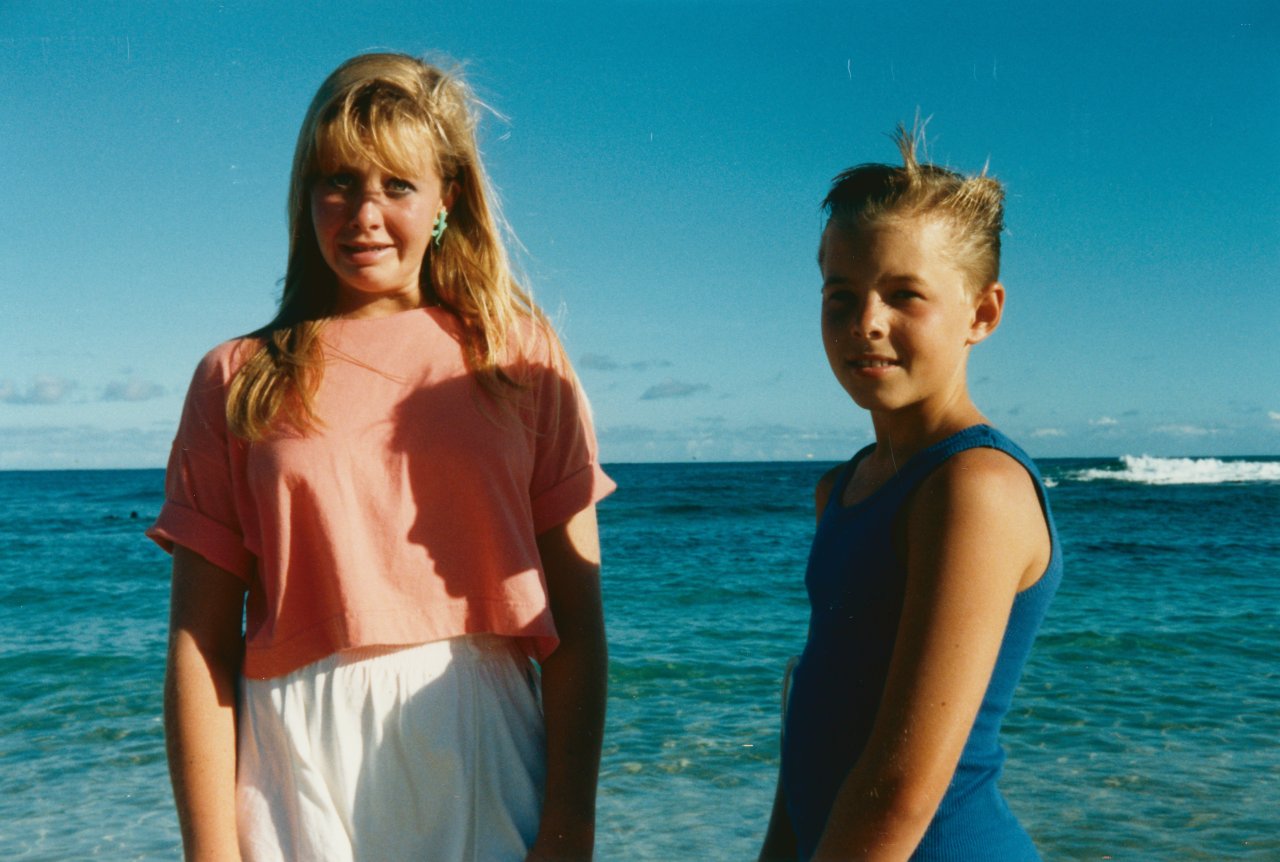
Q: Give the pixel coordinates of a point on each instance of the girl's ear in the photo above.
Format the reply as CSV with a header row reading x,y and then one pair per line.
x,y
448,193
987,310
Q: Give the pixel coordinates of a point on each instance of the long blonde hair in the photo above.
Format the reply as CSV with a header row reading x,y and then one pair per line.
x,y
393,110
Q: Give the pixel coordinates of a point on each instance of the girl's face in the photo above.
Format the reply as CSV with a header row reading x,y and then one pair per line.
x,y
897,316
373,229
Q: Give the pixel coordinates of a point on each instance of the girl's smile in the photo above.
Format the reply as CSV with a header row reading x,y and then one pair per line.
x,y
364,254
872,366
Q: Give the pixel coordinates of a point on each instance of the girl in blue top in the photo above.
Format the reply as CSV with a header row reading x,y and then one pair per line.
x,y
935,556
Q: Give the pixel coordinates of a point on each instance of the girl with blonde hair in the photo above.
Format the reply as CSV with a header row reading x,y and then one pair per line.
x,y
935,555
393,483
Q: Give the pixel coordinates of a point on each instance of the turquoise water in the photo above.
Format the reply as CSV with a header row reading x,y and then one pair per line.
x,y
1146,726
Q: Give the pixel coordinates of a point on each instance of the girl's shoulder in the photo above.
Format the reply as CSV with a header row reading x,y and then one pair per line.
x,y
983,495
837,479
826,484
220,364
533,346
533,332
980,470
978,460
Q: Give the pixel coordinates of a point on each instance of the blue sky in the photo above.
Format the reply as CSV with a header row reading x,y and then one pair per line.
x,y
662,163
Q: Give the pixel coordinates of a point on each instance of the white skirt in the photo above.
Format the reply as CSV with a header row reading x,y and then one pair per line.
x,y
435,751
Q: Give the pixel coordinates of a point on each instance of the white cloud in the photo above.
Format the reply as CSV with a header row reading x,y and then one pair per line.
x,y
1048,432
132,390
50,447
603,362
1185,430
672,389
1273,415
1103,422
713,439
42,390
598,362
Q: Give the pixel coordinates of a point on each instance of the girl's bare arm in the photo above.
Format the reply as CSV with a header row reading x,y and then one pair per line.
x,y
205,651
574,681
975,535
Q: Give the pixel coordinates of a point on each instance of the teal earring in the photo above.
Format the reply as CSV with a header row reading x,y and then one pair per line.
x,y
437,229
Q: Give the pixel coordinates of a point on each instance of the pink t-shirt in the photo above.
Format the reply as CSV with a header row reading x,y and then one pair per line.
x,y
409,515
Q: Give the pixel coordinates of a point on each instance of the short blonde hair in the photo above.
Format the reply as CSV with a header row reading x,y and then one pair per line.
x,y
403,115
972,207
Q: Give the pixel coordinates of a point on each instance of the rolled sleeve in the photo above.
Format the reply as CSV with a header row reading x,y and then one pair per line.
x,y
584,488
567,476
220,545
200,511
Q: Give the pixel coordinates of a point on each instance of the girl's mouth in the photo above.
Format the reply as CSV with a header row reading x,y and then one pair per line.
x,y
364,253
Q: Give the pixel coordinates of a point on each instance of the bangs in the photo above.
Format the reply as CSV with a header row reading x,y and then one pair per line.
x,y
379,129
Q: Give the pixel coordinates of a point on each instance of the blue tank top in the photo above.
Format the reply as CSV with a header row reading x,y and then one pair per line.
x,y
856,584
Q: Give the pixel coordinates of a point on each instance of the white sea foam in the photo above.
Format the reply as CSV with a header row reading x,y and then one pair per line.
x,y
1148,470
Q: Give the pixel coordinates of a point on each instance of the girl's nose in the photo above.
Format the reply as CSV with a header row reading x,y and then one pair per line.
x,y
366,212
869,323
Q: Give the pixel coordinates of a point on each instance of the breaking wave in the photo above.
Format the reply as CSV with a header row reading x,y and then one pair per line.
x,y
1148,470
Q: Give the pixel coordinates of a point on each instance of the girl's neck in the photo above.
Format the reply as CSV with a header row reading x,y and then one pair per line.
x,y
903,433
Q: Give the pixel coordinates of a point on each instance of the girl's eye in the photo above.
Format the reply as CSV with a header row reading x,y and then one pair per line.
x,y
340,182
398,188
904,295
837,304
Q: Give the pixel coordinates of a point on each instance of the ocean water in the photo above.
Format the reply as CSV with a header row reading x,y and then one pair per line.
x,y
1147,725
